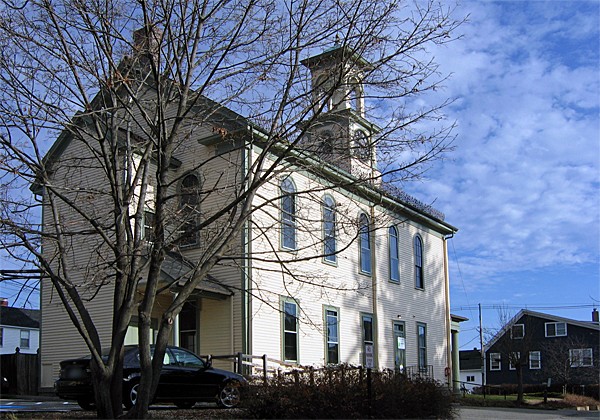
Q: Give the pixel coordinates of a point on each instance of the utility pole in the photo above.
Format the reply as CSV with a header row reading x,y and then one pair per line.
x,y
482,351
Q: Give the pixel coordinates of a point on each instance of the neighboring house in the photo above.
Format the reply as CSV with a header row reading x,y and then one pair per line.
x,y
390,283
19,328
470,369
547,347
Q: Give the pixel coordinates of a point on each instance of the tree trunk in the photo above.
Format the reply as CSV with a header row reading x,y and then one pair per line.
x,y
520,384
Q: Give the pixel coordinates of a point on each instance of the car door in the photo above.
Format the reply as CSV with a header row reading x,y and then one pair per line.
x,y
187,371
174,380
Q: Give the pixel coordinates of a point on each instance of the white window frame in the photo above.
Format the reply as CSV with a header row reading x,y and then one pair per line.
x,y
577,357
364,245
394,254
332,313
556,324
329,230
285,332
512,329
287,214
535,356
495,358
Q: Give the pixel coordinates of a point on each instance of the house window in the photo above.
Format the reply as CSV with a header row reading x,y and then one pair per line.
x,y
393,257
418,249
24,342
556,329
422,344
148,226
470,378
399,346
332,355
367,333
513,360
288,214
517,331
535,360
581,357
290,330
189,209
364,238
495,361
329,239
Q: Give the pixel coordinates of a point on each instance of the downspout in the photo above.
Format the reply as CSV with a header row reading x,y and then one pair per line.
x,y
374,292
246,156
448,320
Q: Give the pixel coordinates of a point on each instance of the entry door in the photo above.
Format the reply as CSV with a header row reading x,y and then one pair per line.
x,y
399,346
188,326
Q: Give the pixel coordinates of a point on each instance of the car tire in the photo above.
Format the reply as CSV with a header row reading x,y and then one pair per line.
x,y
229,395
130,395
86,404
185,404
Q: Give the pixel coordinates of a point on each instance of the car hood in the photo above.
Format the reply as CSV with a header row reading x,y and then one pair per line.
x,y
228,374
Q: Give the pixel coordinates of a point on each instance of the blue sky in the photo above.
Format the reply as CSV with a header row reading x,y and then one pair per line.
x,y
523,183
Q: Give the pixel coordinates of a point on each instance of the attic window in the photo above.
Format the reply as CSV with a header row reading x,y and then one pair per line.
x,y
517,331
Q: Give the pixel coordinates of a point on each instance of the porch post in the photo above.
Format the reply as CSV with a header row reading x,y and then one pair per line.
x,y
176,328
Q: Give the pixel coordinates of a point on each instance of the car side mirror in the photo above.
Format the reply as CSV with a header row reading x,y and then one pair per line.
x,y
207,363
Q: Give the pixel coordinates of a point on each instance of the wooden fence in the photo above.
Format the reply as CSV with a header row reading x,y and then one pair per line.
x,y
22,372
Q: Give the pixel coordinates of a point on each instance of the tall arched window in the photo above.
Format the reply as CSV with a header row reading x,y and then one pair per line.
x,y
364,238
393,251
418,248
288,214
329,237
189,206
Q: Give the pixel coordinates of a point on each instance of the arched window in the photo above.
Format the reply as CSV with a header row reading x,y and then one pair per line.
x,y
418,248
362,148
329,236
393,251
321,88
288,214
325,143
364,238
189,206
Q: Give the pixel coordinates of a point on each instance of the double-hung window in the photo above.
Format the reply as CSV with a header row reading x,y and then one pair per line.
x,y
535,360
290,330
24,342
422,346
367,334
393,257
581,357
418,250
332,321
495,361
329,236
288,214
556,329
364,238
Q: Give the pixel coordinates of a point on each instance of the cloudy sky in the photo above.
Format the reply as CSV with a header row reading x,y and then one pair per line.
x,y
523,183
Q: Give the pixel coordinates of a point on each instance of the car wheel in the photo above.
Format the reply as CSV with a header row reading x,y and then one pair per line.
x,y
185,404
229,395
86,404
130,397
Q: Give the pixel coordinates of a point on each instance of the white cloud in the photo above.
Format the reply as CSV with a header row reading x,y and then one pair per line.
x,y
523,184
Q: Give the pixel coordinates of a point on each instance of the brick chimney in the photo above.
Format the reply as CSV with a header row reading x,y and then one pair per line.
x,y
595,315
146,44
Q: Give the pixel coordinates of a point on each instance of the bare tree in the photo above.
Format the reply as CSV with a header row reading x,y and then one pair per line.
x,y
125,111
514,341
564,363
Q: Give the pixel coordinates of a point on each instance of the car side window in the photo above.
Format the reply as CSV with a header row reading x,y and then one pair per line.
x,y
186,359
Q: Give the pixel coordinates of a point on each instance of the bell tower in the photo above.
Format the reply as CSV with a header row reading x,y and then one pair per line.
x,y
339,133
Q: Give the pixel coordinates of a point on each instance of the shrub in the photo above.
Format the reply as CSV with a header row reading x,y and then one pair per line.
x,y
341,392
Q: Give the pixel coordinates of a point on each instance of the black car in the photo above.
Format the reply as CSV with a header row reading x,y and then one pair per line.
x,y
184,380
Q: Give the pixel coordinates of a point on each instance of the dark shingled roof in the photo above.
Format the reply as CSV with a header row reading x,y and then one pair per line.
x,y
470,359
18,317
